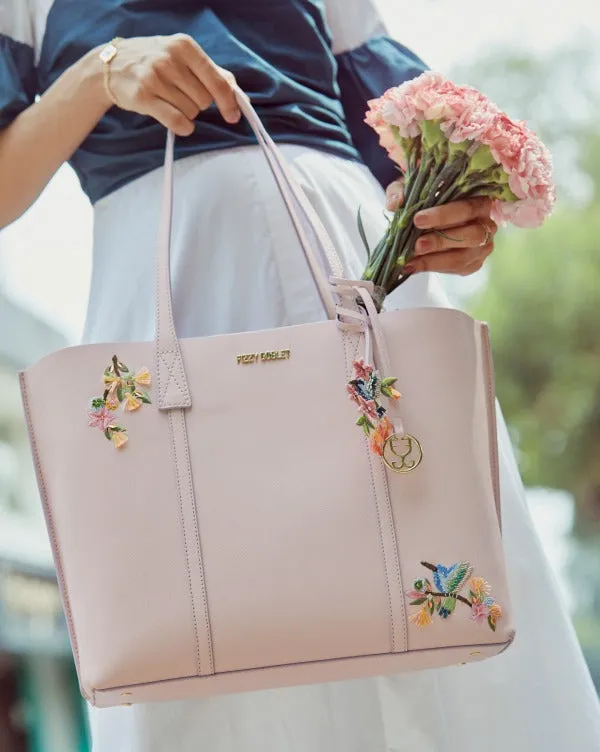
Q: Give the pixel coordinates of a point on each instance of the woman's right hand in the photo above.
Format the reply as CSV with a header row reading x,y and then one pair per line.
x,y
172,80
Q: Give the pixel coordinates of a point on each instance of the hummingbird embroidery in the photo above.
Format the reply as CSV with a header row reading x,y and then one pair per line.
x,y
446,591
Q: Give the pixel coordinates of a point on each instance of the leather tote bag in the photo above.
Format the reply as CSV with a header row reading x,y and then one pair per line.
x,y
219,521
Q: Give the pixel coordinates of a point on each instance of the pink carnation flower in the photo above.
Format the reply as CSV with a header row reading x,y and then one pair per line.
x,y
467,115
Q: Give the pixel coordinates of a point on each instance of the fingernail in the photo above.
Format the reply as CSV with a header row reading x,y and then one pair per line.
x,y
233,117
423,245
392,201
423,218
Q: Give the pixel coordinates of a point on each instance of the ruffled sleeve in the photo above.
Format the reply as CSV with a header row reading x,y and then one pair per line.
x,y
369,62
18,78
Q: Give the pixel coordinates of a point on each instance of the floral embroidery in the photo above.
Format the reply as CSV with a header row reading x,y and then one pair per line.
x,y
123,387
365,390
448,583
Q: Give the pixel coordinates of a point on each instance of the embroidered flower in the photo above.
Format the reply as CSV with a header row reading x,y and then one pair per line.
x,y
100,418
449,583
495,613
479,587
143,378
122,388
422,617
362,370
119,438
132,402
383,430
365,390
479,612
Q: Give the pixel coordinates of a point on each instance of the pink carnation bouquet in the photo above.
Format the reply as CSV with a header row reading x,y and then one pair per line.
x,y
451,143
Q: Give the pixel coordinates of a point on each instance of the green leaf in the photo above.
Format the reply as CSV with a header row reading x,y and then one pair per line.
x,y
145,397
389,381
107,434
118,429
363,235
120,394
418,602
491,623
361,421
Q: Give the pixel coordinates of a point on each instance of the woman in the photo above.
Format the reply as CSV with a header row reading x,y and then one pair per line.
x,y
308,75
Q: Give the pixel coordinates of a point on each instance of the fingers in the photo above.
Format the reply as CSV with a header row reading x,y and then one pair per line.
x,y
454,214
461,261
394,194
219,83
167,91
170,117
473,234
174,74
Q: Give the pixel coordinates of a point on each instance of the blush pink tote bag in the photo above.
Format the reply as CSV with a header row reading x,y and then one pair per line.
x,y
220,523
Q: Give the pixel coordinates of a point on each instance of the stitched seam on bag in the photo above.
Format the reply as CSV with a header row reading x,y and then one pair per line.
x,y
376,499
471,646
492,427
395,554
383,352
188,464
172,330
51,527
184,393
183,525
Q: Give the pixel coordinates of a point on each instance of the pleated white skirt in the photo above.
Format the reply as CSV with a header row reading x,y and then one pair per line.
x,y
237,266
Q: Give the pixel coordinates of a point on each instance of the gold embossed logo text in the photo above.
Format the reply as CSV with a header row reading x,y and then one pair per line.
x,y
263,357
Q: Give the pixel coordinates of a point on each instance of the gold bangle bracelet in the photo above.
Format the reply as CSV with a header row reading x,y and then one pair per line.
x,y
107,55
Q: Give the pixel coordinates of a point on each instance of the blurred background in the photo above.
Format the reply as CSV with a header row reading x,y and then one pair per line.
x,y
540,293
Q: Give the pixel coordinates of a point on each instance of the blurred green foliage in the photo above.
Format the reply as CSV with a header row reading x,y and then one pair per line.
x,y
542,297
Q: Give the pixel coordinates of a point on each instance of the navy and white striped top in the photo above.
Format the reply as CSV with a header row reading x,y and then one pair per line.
x,y
309,67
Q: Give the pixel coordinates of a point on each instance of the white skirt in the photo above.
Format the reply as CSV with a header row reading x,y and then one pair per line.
x,y
237,266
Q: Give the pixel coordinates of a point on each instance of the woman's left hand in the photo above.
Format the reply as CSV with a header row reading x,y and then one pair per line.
x,y
467,239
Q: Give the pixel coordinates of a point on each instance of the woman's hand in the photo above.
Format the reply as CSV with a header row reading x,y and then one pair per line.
x,y
467,239
172,80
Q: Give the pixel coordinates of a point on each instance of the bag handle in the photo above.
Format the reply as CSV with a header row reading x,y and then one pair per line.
x,y
173,390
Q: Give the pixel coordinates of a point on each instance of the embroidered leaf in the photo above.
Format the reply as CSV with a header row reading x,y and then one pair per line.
x,y
363,235
144,397
418,602
390,381
492,624
431,607
120,394
107,434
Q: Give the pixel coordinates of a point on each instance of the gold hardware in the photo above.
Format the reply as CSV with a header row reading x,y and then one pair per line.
x,y
476,652
402,454
264,357
127,694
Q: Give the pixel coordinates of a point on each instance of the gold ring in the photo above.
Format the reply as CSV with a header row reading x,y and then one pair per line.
x,y
488,234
